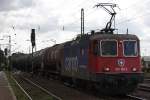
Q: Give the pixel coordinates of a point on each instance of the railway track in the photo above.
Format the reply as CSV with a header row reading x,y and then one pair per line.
x,y
133,97
34,88
43,89
144,87
65,92
68,93
142,92
28,96
147,80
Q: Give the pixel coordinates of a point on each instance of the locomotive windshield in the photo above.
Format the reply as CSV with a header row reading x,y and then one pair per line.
x,y
108,48
130,48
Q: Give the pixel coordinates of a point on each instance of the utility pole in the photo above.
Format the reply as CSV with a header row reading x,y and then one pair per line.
x,y
9,45
29,50
1,44
33,44
10,52
82,21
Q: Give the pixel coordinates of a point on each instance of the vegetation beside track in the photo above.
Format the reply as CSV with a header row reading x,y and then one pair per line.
x,y
17,91
34,92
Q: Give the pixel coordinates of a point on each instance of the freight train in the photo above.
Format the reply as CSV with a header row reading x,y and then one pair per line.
x,y
108,62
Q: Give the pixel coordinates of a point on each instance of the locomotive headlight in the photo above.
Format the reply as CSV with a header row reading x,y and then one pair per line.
x,y
106,69
134,69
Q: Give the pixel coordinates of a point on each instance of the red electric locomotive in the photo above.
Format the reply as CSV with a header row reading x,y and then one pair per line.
x,y
109,62
115,62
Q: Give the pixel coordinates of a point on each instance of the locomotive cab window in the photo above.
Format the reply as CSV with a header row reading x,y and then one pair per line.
x,y
109,48
130,48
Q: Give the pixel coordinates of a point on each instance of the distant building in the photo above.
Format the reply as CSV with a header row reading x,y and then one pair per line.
x,y
146,61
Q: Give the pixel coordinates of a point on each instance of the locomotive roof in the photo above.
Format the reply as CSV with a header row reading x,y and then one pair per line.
x,y
113,36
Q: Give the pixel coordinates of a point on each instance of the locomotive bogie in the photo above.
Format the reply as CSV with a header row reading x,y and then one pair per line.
x,y
117,84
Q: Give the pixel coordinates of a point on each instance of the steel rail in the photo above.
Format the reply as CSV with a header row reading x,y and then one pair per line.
x,y
144,88
135,97
22,88
46,91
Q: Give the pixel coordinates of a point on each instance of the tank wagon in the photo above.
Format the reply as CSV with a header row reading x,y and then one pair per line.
x,y
21,61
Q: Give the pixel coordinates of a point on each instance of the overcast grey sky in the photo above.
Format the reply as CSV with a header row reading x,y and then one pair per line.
x,y
48,17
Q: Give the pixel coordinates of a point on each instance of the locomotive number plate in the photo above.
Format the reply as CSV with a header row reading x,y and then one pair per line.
x,y
121,69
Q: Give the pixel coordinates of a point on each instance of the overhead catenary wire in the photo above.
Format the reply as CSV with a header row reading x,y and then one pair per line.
x,y
87,9
125,11
87,14
134,18
77,21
